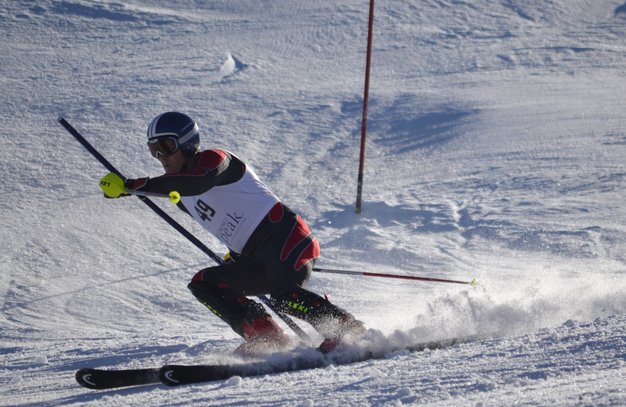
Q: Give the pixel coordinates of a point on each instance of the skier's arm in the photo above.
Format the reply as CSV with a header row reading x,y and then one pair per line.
x,y
214,167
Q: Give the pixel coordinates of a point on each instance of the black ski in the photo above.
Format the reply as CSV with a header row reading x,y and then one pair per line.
x,y
100,379
176,375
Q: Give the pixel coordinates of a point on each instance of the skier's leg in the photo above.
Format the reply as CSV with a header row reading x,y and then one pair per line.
x,y
334,323
223,291
288,257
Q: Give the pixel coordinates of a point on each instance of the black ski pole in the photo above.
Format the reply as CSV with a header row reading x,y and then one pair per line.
x,y
303,335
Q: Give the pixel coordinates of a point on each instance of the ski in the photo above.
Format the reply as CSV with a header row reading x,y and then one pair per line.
x,y
101,379
176,375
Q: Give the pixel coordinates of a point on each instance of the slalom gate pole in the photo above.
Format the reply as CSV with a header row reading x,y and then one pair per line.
x,y
303,335
370,34
397,276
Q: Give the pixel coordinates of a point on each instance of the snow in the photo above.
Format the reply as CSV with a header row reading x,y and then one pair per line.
x,y
495,150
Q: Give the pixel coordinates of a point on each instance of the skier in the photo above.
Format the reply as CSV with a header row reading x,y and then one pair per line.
x,y
272,250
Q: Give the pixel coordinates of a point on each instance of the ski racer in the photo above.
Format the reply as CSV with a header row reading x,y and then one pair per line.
x,y
272,250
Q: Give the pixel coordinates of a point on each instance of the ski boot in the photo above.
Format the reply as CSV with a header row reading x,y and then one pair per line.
x,y
263,336
347,330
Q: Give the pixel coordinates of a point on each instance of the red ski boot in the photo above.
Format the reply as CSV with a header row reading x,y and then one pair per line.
x,y
262,336
349,330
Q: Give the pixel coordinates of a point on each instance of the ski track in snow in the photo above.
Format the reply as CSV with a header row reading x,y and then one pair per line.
x,y
496,144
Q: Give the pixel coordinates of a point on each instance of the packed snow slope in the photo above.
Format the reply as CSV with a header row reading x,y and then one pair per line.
x,y
496,149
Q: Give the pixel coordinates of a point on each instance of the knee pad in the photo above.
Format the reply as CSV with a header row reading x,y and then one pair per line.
x,y
205,276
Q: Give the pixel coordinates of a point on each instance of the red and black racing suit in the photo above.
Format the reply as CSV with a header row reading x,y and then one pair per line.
x,y
276,258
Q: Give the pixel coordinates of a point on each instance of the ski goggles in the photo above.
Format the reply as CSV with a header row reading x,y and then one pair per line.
x,y
163,146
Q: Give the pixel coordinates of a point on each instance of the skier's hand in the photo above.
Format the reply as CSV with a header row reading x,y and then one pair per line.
x,y
113,186
231,257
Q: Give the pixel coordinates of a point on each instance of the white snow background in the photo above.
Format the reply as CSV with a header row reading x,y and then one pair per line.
x,y
496,150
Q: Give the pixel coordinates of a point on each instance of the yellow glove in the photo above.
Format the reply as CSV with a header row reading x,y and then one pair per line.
x,y
113,186
231,257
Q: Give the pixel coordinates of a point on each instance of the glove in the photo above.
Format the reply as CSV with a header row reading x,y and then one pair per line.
x,y
113,186
231,257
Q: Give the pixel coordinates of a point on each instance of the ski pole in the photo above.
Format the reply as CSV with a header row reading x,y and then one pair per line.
x,y
367,274
144,199
299,331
